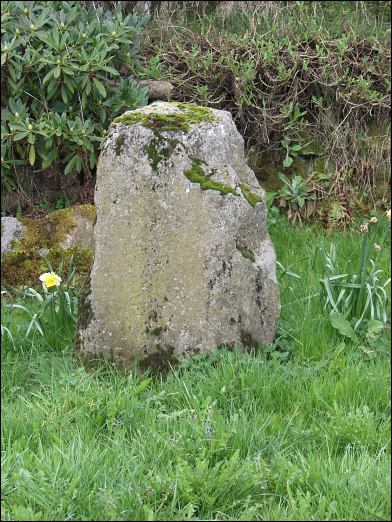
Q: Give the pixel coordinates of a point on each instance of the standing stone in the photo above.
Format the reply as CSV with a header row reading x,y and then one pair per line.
x,y
183,261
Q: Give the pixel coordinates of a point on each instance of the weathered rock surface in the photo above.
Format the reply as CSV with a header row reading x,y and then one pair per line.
x,y
11,230
60,235
183,261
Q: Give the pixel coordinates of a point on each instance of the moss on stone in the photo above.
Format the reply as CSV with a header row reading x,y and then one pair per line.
x,y
119,144
63,222
25,264
160,361
20,266
196,175
159,149
19,269
248,254
179,121
82,259
87,211
251,197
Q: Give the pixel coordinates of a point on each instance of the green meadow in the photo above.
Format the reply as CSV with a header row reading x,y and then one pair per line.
x,y
299,430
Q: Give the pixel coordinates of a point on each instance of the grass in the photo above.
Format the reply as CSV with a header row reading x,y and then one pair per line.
x,y
298,432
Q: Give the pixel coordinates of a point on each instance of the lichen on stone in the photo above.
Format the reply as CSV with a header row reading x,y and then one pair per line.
x,y
196,175
87,211
251,197
248,254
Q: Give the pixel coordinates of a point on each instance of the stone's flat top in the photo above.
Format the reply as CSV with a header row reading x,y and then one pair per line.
x,y
165,107
158,107
164,116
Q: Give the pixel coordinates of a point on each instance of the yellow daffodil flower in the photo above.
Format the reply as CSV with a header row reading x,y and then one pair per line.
x,y
50,279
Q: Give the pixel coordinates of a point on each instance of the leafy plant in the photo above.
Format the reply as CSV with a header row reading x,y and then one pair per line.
x,y
287,271
336,212
292,150
273,210
152,68
60,62
357,300
298,197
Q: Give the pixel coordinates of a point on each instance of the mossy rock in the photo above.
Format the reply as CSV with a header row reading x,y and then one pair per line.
x,y
248,254
180,121
196,175
183,262
57,237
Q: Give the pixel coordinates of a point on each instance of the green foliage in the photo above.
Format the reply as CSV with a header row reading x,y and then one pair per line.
x,y
356,300
273,210
60,64
152,69
296,195
292,150
287,271
60,203
292,75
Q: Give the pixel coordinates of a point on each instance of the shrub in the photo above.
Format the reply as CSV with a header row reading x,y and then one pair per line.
x,y
305,82
58,94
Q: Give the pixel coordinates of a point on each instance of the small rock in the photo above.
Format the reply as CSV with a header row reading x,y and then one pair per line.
x,y
11,229
82,234
157,89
